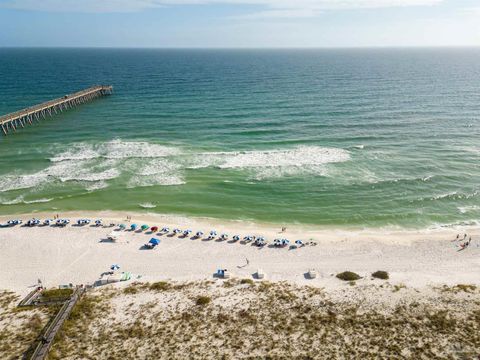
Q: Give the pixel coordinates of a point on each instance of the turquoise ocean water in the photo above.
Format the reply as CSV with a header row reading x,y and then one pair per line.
x,y
385,137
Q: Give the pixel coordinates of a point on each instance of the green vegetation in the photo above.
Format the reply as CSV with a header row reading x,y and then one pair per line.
x,y
348,276
160,286
247,281
248,321
203,300
381,275
56,294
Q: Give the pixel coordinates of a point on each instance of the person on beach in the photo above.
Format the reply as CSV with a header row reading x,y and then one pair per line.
x,y
284,229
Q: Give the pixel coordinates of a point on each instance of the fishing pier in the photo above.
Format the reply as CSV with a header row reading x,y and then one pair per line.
x,y
15,120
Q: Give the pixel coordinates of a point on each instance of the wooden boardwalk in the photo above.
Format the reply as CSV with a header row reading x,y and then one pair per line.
x,y
41,351
12,121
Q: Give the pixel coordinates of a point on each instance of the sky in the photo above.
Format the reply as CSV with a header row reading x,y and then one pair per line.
x,y
239,23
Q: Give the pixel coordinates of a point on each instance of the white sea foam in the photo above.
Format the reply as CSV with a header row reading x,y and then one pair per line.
x,y
147,205
97,185
467,209
20,200
273,163
37,201
115,149
21,181
145,164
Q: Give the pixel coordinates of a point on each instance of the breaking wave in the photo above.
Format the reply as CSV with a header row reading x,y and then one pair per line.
x,y
140,164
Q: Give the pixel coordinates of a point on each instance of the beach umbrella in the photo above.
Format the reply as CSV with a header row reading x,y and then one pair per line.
x,y
213,233
98,222
115,267
154,241
144,227
299,242
154,228
133,226
165,229
177,231
236,237
224,236
199,234
122,226
47,222
261,238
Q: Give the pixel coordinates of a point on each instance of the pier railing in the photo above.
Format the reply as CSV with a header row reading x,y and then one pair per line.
x,y
12,121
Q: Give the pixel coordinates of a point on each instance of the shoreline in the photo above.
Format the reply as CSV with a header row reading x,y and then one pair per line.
x,y
179,220
78,255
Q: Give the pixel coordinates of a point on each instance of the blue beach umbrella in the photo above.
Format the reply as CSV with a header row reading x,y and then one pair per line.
x,y
154,241
133,226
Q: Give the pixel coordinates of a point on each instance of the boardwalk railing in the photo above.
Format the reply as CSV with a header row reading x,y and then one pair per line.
x,y
26,116
41,351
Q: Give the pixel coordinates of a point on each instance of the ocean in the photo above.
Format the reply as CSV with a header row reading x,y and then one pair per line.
x,y
344,138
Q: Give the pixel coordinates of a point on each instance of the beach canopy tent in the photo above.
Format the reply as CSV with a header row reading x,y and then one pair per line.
x,y
144,227
113,236
223,273
154,241
133,226
154,228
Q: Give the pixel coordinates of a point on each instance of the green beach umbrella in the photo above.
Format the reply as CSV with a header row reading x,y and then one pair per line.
x,y
144,227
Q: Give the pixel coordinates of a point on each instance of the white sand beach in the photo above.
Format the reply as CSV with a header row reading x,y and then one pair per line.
x,y
78,255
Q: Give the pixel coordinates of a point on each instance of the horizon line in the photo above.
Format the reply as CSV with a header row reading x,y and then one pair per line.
x,y
246,47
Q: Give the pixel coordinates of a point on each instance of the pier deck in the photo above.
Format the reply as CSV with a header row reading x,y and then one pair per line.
x,y
19,118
